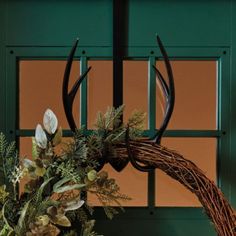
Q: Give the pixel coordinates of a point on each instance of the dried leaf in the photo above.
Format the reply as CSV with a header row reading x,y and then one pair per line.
x,y
58,137
40,171
61,220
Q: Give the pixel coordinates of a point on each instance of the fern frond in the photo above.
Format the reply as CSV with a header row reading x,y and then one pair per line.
x,y
11,150
3,144
8,156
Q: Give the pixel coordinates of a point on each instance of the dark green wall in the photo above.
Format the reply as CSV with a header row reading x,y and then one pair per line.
x,y
57,23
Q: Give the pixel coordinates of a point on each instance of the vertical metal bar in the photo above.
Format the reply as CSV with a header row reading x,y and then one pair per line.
x,y
151,124
224,158
83,103
11,102
118,51
83,93
12,116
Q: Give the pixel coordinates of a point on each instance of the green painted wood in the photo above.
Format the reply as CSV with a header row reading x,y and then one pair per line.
x,y
152,227
178,52
2,77
2,67
147,133
224,163
11,110
60,53
52,23
179,23
160,221
63,21
232,118
133,53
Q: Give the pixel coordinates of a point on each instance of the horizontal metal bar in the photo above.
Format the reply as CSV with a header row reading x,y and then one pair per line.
x,y
180,213
168,133
189,133
104,53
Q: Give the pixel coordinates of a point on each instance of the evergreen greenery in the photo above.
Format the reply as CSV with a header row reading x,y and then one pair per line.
x,y
57,182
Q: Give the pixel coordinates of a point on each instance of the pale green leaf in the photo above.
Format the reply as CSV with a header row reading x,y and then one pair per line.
x,y
23,214
69,188
60,183
41,189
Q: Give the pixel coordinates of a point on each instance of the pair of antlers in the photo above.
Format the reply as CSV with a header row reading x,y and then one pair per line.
x,y
168,90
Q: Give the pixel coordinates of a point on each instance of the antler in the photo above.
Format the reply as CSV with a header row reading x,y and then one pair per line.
x,y
169,92
69,97
170,101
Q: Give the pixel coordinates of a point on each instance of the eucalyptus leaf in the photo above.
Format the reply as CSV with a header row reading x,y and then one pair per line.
x,y
41,189
23,214
4,217
40,137
50,121
60,183
69,188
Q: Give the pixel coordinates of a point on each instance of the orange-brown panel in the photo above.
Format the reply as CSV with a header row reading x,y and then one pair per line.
x,y
40,85
99,89
202,151
196,95
135,87
132,183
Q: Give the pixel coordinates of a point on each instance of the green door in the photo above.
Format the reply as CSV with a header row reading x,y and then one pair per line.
x,y
197,34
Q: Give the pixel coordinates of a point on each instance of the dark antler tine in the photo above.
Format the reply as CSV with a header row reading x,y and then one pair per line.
x,y
67,103
162,81
171,96
67,70
77,85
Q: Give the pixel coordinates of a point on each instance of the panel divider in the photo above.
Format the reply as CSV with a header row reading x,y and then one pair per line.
x,y
151,124
83,93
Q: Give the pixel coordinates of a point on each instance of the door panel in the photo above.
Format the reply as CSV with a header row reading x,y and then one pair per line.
x,y
45,31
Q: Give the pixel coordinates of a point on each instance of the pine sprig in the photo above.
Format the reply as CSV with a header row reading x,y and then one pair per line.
x,y
108,193
136,124
8,157
110,119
